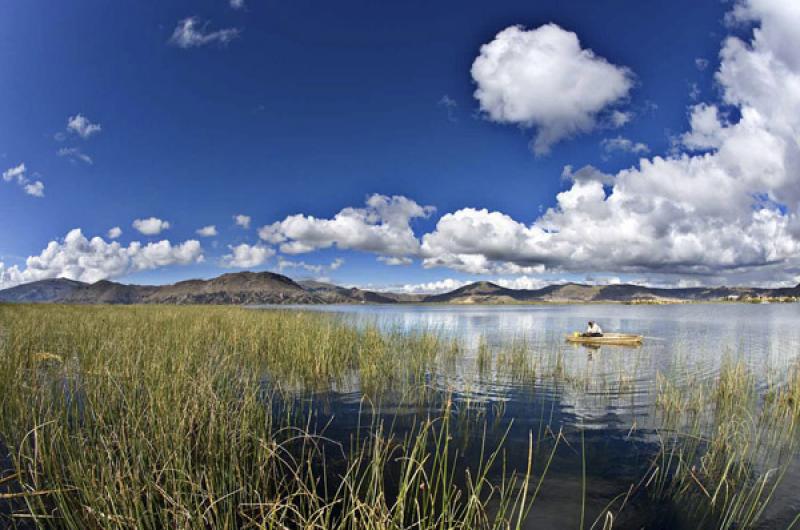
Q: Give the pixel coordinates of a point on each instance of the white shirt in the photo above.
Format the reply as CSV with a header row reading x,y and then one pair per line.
x,y
594,328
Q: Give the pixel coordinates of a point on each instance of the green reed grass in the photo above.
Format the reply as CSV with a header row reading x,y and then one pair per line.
x,y
187,417
724,451
198,417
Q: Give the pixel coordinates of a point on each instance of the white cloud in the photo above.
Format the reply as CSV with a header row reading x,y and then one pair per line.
x,y
707,130
245,256
34,188
15,173
382,227
522,282
396,260
237,4
701,63
19,175
10,276
318,269
450,106
619,118
450,284
447,101
694,91
585,174
150,226
542,78
82,126
435,287
91,260
242,220
74,153
732,211
191,33
114,233
721,207
207,231
625,145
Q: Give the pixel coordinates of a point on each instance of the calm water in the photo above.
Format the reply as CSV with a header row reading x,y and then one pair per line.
x,y
606,405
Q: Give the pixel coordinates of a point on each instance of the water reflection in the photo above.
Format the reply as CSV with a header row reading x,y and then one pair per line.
x,y
602,398
680,340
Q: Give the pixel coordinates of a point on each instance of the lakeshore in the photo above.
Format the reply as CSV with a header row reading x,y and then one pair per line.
x,y
232,417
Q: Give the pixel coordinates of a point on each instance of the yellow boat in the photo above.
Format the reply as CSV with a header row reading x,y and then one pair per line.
x,y
617,339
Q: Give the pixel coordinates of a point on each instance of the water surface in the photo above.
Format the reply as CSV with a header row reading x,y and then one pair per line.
x,y
604,403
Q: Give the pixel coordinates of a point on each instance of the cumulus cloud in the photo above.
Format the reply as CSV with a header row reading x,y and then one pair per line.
x,y
82,126
395,260
242,220
619,118
706,128
435,287
19,175
10,276
731,209
286,264
15,173
450,284
246,256
207,231
192,33
519,282
382,227
75,154
543,79
34,188
624,145
585,174
89,260
114,233
150,226
523,282
722,206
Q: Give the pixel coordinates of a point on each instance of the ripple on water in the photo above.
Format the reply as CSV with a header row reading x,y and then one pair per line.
x,y
601,399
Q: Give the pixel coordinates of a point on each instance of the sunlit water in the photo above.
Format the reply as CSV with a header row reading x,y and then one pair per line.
x,y
605,405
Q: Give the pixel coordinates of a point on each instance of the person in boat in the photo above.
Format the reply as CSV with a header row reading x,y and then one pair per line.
x,y
593,330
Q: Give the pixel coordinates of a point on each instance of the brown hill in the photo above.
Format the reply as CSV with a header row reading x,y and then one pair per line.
x,y
334,294
253,288
241,288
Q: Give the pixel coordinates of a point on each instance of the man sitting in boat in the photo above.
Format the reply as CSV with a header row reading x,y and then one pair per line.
x,y
593,330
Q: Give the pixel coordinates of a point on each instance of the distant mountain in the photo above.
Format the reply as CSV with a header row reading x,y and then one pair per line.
x,y
335,294
236,288
41,291
486,292
477,293
250,288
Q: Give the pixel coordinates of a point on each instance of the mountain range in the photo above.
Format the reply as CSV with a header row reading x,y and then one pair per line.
x,y
249,288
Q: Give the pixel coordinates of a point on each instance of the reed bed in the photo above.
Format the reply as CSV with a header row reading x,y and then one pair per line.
x,y
165,417
209,417
724,447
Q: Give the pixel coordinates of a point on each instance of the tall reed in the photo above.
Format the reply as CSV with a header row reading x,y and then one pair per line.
x,y
167,417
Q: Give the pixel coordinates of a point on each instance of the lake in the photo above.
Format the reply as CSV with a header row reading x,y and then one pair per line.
x,y
604,401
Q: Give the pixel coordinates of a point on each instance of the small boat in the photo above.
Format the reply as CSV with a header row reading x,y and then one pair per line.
x,y
619,339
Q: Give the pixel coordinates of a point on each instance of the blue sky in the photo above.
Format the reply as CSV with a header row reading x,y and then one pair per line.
x,y
277,109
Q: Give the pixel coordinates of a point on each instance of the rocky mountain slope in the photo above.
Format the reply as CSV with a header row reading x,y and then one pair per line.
x,y
248,288
486,292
